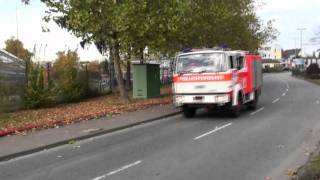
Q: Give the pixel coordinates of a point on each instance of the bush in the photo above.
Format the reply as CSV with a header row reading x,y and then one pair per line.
x,y
297,72
36,94
313,71
311,170
314,76
65,83
275,69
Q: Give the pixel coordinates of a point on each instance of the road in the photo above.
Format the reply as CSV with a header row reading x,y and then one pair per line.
x,y
210,146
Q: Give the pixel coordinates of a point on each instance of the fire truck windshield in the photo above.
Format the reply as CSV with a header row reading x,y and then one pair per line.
x,y
201,63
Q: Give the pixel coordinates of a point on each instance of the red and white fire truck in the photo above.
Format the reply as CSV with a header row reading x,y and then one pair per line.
x,y
216,79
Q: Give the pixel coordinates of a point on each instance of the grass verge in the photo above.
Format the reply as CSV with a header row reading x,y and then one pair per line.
x,y
315,81
4,118
311,170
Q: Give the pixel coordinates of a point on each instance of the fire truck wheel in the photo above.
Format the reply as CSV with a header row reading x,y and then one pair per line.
x,y
188,112
253,104
236,110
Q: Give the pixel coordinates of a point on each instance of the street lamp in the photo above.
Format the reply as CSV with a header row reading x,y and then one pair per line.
x,y
295,47
301,30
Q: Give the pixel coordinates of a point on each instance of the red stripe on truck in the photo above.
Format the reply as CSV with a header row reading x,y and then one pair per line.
x,y
202,78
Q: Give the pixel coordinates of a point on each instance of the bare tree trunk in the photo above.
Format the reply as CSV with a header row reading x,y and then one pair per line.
x,y
141,56
111,70
128,76
123,93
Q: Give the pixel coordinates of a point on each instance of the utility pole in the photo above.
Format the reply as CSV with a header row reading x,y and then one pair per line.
x,y
295,47
17,23
301,30
44,53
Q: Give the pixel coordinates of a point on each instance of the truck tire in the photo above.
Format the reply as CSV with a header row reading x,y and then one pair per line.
x,y
236,110
188,112
253,104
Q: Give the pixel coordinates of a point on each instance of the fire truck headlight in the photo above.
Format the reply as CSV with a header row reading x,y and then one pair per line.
x,y
179,98
221,98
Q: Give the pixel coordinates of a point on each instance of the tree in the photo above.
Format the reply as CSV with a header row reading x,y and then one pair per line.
x,y
65,74
122,26
15,47
127,27
231,23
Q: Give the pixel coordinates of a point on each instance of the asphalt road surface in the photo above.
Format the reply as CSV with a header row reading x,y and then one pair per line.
x,y
210,146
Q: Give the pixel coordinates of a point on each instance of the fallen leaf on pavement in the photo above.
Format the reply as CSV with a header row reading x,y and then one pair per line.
x,y
55,117
72,142
292,172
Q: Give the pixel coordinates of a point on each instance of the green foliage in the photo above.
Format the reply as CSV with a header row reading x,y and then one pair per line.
x,y
4,118
313,71
65,73
67,83
311,170
276,69
297,72
36,95
15,47
166,27
127,27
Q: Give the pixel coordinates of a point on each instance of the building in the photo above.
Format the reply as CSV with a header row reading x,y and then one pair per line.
x,y
12,81
270,52
290,53
270,64
11,67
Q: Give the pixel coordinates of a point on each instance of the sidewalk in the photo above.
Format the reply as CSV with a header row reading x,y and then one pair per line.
x,y
19,145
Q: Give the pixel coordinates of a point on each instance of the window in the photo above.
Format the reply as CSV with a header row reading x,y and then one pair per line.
x,y
233,62
201,63
240,62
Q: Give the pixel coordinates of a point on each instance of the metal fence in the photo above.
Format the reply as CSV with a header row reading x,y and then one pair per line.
x,y
12,80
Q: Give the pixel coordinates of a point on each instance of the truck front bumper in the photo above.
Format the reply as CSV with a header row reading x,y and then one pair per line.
x,y
219,99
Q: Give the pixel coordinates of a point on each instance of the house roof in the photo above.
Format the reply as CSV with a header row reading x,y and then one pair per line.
x,y
11,56
289,52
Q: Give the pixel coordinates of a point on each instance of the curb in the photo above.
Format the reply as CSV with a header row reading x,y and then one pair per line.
x,y
95,134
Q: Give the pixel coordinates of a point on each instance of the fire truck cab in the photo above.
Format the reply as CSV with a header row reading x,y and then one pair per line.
x,y
218,79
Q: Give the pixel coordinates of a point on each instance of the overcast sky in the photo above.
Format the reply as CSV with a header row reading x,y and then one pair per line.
x,y
288,15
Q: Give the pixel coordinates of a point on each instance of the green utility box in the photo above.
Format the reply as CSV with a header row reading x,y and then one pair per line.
x,y
146,80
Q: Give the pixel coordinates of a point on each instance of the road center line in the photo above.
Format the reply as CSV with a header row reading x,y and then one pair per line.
x,y
210,132
276,100
253,113
118,170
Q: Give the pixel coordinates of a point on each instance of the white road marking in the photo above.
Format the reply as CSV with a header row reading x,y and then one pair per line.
x,y
210,132
283,94
253,113
118,170
276,100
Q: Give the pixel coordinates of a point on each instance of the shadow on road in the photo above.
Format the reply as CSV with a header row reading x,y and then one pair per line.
x,y
217,115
